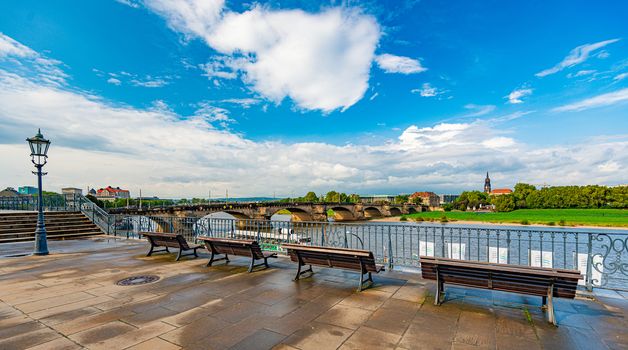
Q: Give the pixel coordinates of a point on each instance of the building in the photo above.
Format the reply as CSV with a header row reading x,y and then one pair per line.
x,y
487,184
377,198
500,191
9,192
27,190
112,193
72,190
91,192
430,199
448,198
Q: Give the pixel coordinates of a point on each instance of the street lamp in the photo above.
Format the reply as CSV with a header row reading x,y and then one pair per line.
x,y
39,148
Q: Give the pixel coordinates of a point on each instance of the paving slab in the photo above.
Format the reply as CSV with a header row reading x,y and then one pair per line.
x,y
70,300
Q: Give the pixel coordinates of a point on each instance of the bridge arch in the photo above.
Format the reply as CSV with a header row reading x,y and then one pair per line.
x,y
372,212
395,211
298,214
342,214
411,210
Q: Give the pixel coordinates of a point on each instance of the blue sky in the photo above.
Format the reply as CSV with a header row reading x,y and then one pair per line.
x,y
285,96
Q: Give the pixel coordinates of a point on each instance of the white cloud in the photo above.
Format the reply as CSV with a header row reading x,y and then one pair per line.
x,y
373,96
607,99
114,81
98,142
621,76
191,17
581,73
427,90
149,82
319,60
246,102
478,110
201,157
576,56
516,96
47,69
10,47
130,3
399,64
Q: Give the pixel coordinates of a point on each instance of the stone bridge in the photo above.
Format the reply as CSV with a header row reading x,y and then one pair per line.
x,y
264,211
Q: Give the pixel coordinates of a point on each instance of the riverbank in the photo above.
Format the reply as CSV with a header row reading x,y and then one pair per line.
x,y
584,218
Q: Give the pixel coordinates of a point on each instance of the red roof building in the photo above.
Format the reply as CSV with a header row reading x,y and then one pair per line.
x,y
500,191
112,193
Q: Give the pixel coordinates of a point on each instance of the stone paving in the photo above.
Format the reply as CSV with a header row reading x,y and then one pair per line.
x,y
70,300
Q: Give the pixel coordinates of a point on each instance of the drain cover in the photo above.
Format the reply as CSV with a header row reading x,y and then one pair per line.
x,y
137,280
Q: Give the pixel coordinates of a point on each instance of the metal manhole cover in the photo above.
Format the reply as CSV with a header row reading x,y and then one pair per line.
x,y
137,280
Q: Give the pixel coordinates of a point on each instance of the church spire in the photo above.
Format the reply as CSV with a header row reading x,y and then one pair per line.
x,y
487,184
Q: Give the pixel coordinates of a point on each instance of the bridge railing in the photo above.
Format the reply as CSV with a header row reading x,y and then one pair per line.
x,y
601,255
51,202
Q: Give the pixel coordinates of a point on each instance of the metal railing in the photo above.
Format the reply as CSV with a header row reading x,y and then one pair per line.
x,y
601,255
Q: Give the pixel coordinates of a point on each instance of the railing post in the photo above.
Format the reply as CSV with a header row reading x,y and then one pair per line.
x,y
390,252
589,283
442,242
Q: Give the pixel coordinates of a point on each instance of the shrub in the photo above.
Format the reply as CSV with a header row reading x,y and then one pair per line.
x,y
443,219
525,222
562,222
418,218
403,218
551,223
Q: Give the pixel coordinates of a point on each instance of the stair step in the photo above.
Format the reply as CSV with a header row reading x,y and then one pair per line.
x,y
48,228
54,237
47,222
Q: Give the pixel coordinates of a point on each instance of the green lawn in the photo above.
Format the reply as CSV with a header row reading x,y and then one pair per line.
x,y
571,217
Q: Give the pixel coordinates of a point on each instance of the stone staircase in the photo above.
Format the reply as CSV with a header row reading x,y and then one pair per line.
x,y
20,226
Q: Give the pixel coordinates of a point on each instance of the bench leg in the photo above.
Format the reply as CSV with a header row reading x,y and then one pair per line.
x,y
153,250
439,290
550,305
179,255
299,272
212,259
544,302
252,264
369,280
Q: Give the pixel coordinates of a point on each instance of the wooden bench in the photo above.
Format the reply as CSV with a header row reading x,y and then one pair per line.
x,y
544,282
348,259
241,247
159,239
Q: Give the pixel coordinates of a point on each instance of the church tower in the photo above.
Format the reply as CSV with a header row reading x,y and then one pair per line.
x,y
487,184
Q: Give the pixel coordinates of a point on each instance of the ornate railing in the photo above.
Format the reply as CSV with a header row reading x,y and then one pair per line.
x,y
601,255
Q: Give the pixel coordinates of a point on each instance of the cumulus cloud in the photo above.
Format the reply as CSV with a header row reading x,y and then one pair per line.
x,y
606,99
399,64
319,60
427,90
515,97
173,155
576,56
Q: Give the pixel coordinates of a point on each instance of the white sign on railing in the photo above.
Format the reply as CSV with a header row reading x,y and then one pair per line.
x,y
596,276
456,250
426,248
498,256
541,260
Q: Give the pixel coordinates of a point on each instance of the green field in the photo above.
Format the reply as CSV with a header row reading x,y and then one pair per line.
x,y
558,217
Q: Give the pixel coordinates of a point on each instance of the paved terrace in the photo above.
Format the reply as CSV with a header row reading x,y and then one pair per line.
x,y
70,300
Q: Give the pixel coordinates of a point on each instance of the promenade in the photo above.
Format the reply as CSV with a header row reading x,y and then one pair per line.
x,y
70,300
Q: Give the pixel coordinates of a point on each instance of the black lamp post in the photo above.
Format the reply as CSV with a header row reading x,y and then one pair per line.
x,y
39,148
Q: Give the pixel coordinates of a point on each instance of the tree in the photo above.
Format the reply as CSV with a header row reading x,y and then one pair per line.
x,y
354,198
310,197
401,199
504,203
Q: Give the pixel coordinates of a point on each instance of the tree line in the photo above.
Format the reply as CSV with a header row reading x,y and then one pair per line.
x,y
526,196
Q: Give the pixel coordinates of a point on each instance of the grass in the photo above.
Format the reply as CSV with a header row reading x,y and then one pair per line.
x,y
560,217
